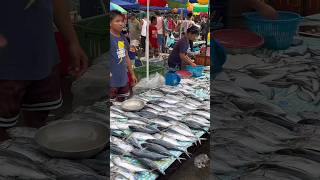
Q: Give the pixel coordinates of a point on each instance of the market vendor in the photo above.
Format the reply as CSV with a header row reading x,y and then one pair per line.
x,y
179,53
120,63
235,17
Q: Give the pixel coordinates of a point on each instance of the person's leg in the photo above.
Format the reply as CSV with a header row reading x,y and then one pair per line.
x,y
11,95
41,97
123,93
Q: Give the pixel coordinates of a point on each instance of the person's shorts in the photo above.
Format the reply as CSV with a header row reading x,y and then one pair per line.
x,y
160,39
119,94
35,95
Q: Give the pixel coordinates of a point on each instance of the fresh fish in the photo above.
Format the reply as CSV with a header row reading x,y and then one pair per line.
x,y
150,165
174,113
25,149
194,102
230,88
169,117
24,132
149,155
142,129
97,165
304,96
151,110
16,165
194,125
166,105
179,137
167,139
63,167
136,122
118,134
293,88
117,150
161,122
119,125
147,114
155,107
159,149
121,144
182,130
167,145
204,114
117,109
154,94
141,136
170,101
116,115
134,142
124,172
131,115
134,168
198,119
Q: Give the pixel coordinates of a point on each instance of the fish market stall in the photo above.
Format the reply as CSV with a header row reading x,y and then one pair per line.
x,y
265,115
145,143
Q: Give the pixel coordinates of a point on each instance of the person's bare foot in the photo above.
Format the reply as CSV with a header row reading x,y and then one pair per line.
x,y
3,135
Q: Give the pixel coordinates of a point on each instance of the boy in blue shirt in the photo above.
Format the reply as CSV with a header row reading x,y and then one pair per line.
x,y
120,63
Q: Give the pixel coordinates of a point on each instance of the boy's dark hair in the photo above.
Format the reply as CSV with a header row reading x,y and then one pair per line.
x,y
157,13
193,30
153,18
115,13
189,15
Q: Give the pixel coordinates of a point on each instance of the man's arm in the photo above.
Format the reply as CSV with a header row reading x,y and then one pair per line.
x,y
79,60
130,69
186,59
265,9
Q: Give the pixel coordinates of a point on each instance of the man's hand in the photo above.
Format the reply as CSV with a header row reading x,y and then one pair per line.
x,y
193,64
78,60
269,12
134,79
3,41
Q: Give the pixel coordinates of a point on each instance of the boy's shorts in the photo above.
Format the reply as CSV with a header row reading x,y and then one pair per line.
x,y
28,95
119,94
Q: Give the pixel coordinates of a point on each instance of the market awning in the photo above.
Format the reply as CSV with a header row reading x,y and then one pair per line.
x,y
117,7
125,4
153,8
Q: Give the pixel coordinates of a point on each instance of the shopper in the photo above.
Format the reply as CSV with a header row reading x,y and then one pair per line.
x,y
153,32
188,22
134,29
29,70
180,49
236,9
120,63
144,24
204,28
161,30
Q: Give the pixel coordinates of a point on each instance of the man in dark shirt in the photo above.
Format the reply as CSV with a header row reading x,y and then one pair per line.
x,y
29,72
180,49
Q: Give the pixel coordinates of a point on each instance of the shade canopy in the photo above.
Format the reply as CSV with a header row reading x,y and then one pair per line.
x,y
125,4
117,7
200,8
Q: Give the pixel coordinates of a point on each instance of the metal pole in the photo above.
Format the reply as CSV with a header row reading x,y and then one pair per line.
x,y
147,39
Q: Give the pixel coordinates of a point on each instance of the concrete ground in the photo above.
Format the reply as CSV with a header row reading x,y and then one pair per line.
x,y
187,171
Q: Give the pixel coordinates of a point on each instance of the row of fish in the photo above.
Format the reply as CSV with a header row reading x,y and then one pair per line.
x,y
254,139
141,140
21,158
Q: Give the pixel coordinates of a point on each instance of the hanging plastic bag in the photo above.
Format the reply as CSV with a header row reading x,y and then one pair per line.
x,y
155,81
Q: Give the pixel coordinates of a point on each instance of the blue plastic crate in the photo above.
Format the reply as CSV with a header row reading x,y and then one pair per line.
x,y
278,34
196,71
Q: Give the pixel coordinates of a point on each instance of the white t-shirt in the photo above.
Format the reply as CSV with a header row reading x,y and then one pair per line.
x,y
160,25
144,28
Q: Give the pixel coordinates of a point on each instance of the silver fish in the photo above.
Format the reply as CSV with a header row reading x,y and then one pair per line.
x,y
17,165
182,130
293,88
141,136
167,139
121,144
61,167
134,168
18,132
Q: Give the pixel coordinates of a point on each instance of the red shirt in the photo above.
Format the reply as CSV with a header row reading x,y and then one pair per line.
x,y
153,36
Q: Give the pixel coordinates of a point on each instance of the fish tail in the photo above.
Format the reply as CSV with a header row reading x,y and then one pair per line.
x,y
187,153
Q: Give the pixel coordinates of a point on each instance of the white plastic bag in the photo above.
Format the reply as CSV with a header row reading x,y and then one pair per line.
x,y
155,81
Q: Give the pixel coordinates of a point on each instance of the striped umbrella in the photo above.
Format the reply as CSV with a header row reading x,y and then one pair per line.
x,y
117,7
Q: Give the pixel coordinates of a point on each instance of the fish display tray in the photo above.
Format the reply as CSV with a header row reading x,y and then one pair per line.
x,y
166,163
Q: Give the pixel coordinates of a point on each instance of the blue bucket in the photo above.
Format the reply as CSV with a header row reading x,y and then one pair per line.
x,y
278,34
196,71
